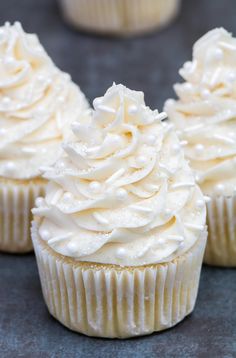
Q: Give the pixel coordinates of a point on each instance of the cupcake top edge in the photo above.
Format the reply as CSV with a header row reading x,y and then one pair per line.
x,y
205,112
37,104
122,193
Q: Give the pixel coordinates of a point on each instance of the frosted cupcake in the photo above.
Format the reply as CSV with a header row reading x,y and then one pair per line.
x,y
120,235
205,115
37,104
119,17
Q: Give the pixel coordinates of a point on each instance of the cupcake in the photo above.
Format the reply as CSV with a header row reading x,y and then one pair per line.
x,y
119,17
205,117
37,104
120,236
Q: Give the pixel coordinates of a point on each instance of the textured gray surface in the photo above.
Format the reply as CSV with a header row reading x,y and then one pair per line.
x,y
149,63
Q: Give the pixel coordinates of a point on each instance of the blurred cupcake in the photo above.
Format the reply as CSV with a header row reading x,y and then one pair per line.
x,y
119,17
205,116
120,235
37,104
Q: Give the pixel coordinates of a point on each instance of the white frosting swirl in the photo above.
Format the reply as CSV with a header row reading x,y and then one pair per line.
x,y
37,104
205,113
123,193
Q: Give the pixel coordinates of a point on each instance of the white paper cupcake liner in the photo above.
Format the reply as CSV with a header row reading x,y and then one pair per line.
x,y
221,242
112,301
119,16
16,201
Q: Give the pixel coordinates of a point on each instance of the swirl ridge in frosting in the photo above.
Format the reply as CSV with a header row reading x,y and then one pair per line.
x,y
122,193
205,112
37,104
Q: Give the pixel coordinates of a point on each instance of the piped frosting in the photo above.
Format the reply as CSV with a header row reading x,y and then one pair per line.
x,y
123,193
205,113
37,104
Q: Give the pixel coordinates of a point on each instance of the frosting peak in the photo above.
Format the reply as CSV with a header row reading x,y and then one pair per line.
x,y
123,193
205,113
37,103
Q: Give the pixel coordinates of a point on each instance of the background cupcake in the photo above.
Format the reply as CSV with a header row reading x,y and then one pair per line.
x,y
37,104
205,116
120,235
119,17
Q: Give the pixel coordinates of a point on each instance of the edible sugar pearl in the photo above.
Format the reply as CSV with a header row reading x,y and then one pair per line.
x,y
176,147
231,77
218,54
199,148
121,194
39,201
219,188
141,160
41,78
2,131
95,186
67,196
6,100
121,253
9,61
150,139
45,234
167,212
200,203
205,93
10,167
132,109
61,99
72,247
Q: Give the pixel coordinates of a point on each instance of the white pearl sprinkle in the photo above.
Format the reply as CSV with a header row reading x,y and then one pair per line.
x,y
6,100
167,212
161,241
205,93
9,60
141,160
61,164
200,203
45,234
41,78
231,76
199,148
231,134
219,188
176,147
72,247
218,54
150,139
67,196
39,201
121,194
121,253
61,99
2,131
132,109
10,166
95,186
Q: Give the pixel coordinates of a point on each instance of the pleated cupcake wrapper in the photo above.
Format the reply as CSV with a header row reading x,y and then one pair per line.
x,y
111,301
16,202
221,221
119,16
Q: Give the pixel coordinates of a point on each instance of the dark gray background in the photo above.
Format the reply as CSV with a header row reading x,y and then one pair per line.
x,y
149,63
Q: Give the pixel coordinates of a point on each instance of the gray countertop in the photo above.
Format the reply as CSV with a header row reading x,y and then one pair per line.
x,y
149,63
